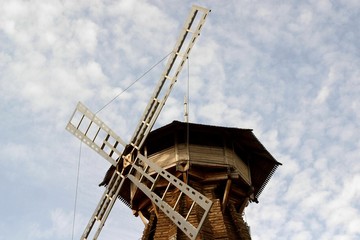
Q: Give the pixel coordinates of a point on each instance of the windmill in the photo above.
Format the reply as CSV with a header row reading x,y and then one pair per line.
x,y
132,173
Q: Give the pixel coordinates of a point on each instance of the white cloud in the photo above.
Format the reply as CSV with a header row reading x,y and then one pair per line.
x,y
322,95
85,32
59,228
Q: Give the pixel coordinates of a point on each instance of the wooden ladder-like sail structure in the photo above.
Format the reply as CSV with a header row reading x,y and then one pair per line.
x,y
132,169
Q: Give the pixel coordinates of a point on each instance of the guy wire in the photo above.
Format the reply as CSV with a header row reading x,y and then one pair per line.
x,y
187,110
76,192
151,68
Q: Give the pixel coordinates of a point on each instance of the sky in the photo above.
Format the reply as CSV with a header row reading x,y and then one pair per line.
x,y
289,70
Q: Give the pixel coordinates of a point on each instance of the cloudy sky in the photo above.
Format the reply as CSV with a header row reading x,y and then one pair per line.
x,y
287,69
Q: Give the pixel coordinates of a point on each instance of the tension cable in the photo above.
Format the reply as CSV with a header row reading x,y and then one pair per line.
x,y
151,68
76,192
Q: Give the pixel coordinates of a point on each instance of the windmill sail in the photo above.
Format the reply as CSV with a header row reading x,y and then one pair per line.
x,y
86,126
180,53
141,178
143,173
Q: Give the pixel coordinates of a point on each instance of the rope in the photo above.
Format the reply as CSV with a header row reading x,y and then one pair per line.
x,y
76,192
151,68
187,123
188,88
78,169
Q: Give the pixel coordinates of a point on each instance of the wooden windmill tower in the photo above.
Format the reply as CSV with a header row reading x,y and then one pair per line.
x,y
228,165
184,180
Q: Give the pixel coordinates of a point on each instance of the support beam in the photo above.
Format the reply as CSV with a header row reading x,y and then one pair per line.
x,y
185,177
155,209
244,205
143,219
226,195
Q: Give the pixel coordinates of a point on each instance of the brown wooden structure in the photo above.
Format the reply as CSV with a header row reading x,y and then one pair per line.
x,y
228,165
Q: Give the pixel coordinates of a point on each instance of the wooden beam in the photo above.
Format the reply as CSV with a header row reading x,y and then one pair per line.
x,y
142,205
244,205
143,219
155,209
209,176
239,191
196,174
185,177
226,195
